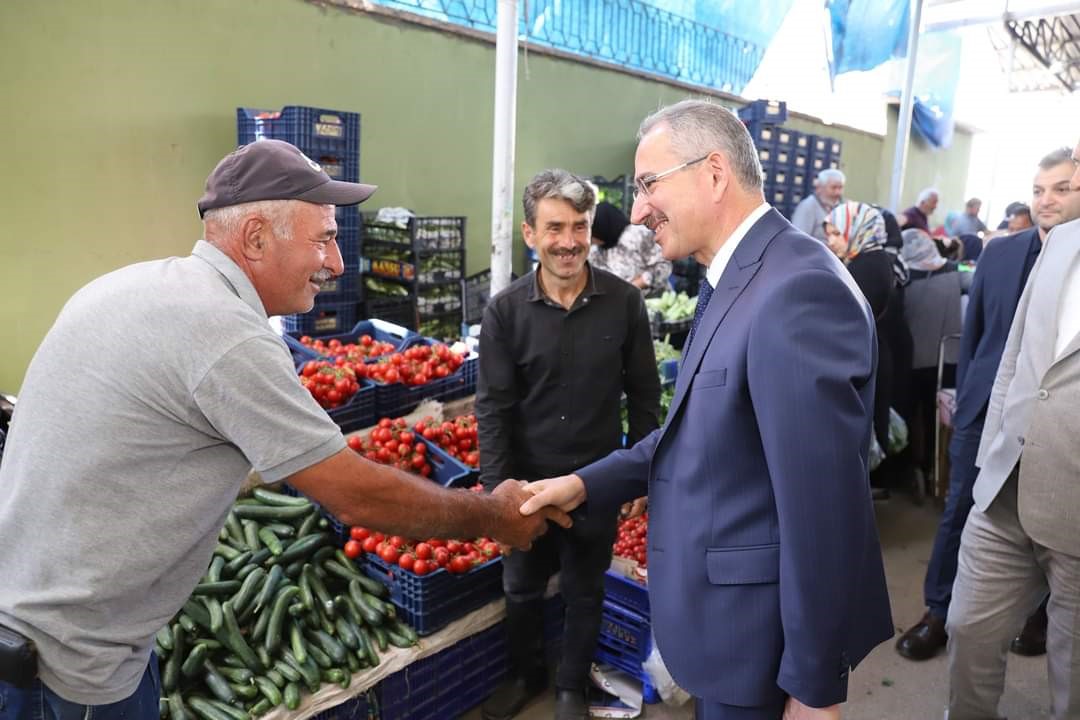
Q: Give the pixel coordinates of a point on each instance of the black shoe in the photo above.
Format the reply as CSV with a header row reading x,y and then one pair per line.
x,y
1032,639
924,640
570,705
511,697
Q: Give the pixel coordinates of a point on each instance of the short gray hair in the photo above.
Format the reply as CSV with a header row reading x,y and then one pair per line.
x,y
926,195
277,212
1055,158
560,185
829,175
699,127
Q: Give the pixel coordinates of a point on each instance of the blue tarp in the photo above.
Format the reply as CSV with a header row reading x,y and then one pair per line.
x,y
867,33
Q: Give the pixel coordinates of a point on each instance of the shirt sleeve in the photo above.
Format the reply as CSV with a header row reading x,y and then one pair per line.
x,y
253,397
496,397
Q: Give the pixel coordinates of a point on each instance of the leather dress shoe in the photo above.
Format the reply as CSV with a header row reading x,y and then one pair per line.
x,y
924,639
1032,639
511,697
570,705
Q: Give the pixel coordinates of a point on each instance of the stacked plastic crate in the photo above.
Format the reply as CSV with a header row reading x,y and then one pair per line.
x,y
332,139
625,632
412,271
790,159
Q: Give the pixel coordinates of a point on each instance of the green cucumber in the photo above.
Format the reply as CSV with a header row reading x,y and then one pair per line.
x,y
319,589
282,530
380,637
260,708
216,565
306,667
177,709
164,637
301,548
287,671
328,645
237,675
223,587
229,553
235,640
269,588
194,662
346,634
245,692
372,615
272,513
337,675
277,616
269,497
217,684
292,696
268,689
369,645
237,563
197,612
213,606
296,642
275,677
204,709
251,534
308,526
187,623
234,528
248,589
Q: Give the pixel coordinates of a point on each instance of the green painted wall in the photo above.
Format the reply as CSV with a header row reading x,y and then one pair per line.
x,y
116,110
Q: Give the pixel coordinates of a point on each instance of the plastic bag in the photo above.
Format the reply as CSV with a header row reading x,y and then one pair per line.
x,y
898,433
669,691
877,455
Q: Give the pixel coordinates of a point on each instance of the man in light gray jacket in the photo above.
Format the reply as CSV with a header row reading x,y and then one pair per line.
x,y
1022,538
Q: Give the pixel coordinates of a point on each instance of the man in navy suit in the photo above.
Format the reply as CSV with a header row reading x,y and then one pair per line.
x,y
765,573
1000,277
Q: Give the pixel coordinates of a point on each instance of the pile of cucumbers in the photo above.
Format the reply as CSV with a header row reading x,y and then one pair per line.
x,y
281,609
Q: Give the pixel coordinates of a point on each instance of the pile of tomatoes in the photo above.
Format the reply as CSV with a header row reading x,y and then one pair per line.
x,y
632,538
458,437
417,365
365,347
422,557
392,443
331,385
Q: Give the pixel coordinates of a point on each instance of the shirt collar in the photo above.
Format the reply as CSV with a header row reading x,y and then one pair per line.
x,y
723,255
236,278
536,293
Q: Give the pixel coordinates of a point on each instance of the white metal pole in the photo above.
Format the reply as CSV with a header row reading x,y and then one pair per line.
x,y
502,171
907,101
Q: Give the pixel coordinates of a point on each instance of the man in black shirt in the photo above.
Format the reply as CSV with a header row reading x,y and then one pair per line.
x,y
558,349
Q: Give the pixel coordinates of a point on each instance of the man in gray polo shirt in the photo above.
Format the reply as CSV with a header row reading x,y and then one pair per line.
x,y
118,476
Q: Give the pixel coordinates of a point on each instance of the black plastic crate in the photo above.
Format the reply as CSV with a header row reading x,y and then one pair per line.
x,y
437,299
617,191
361,707
322,320
318,132
446,327
421,233
475,293
398,310
345,288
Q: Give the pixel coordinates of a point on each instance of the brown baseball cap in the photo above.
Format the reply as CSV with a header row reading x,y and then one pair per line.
x,y
275,170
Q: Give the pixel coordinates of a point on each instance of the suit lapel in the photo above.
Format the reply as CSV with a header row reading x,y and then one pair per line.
x,y
1041,322
1065,266
740,270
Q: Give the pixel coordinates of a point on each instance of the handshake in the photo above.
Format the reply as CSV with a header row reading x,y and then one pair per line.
x,y
523,509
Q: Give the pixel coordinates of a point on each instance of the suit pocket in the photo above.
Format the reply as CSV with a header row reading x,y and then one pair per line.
x,y
748,565
710,378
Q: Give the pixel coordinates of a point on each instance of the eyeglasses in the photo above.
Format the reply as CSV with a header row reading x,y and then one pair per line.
x,y
643,185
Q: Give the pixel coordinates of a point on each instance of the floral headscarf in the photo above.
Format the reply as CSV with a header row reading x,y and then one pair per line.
x,y
862,226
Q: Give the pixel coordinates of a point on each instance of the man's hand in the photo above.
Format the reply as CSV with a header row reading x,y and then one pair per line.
x,y
565,493
635,508
795,710
517,529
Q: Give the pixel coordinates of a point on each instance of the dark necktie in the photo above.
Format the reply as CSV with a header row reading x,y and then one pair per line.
x,y
704,294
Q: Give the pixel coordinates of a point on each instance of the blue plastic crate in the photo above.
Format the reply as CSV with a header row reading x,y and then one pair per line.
x,y
378,329
772,111
313,130
396,400
322,320
786,138
430,602
357,708
449,683
625,642
626,592
344,288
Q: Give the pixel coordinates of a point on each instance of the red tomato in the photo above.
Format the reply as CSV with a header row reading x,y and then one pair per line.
x,y
355,442
370,543
442,556
459,565
353,548
359,533
424,551
389,554
453,547
397,542
406,561
421,567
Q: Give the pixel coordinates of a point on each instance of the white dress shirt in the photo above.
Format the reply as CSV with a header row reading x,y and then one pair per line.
x,y
723,255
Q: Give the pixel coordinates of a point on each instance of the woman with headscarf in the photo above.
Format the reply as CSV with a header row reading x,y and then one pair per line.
x,y
627,251
933,306
855,232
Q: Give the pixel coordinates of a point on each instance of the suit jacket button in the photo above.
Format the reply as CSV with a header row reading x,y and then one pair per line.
x,y
1043,394
1020,439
